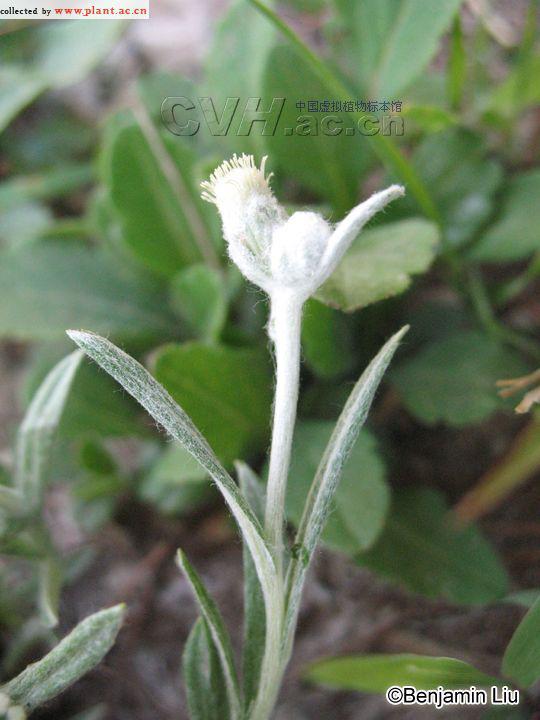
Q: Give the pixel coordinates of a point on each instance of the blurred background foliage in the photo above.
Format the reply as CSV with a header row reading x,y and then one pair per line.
x,y
102,228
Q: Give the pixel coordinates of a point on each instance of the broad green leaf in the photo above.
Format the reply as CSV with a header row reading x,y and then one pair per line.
x,y
462,178
160,405
94,406
38,427
154,195
234,69
305,152
74,656
225,390
176,483
325,483
394,40
380,263
203,677
69,50
55,285
219,634
362,498
327,340
453,380
254,612
377,673
515,234
521,661
50,584
198,295
423,548
18,88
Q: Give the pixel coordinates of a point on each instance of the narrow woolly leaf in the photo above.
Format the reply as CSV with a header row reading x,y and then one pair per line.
x,y
50,583
156,400
74,656
521,661
203,677
254,612
218,632
40,422
376,673
326,480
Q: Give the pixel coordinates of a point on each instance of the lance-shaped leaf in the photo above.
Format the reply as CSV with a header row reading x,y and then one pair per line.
x,y
521,661
326,480
156,400
37,429
220,636
74,656
50,584
254,612
205,685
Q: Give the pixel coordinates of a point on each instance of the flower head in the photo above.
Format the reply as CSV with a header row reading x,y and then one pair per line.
x,y
297,253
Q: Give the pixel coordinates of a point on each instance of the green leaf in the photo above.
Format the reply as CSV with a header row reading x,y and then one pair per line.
x,y
176,483
462,178
50,584
429,118
385,32
234,69
423,548
377,673
69,50
325,483
521,661
53,285
24,223
160,405
74,656
18,88
225,390
327,340
362,497
310,157
514,235
380,144
94,406
40,422
205,684
380,263
219,634
453,380
198,296
48,184
153,192
254,611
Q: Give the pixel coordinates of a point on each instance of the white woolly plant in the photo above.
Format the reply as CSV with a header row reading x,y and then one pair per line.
x,y
289,257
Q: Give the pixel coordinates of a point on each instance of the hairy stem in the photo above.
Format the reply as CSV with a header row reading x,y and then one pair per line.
x,y
285,323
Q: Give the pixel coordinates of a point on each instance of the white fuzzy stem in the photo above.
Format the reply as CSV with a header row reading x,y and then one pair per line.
x,y
285,325
284,330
